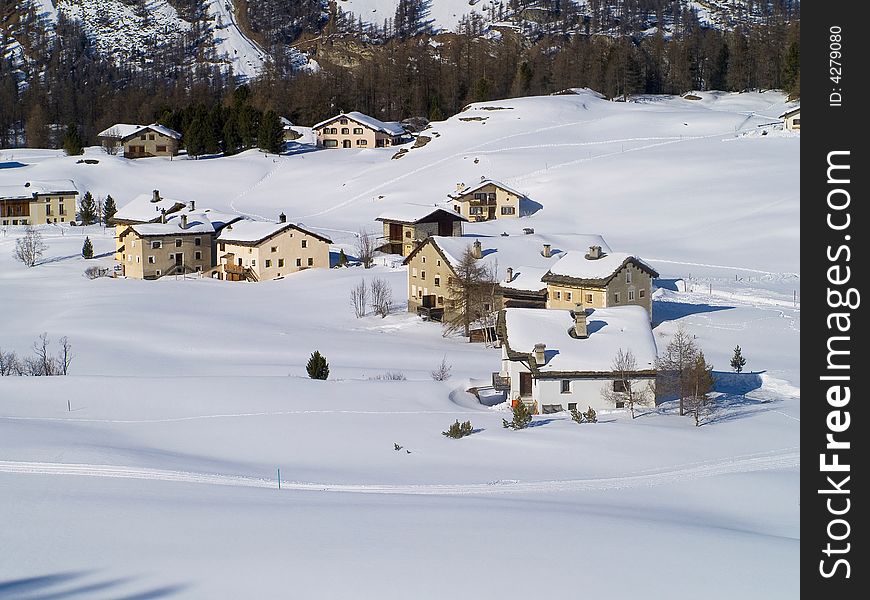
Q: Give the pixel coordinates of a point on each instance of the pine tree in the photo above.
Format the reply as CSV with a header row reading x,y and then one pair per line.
x,y
522,416
317,366
72,141
737,361
271,137
194,137
88,248
459,430
342,258
88,210
109,210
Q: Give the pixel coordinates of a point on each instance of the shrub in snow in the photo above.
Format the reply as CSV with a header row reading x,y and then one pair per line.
x,y
87,248
591,416
390,376
317,366
95,272
442,373
577,416
522,417
458,430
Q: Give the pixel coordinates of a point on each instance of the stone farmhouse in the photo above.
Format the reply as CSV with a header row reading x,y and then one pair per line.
x,y
141,141
409,225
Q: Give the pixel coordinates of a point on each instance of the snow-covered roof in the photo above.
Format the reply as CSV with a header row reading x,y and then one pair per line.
x,y
30,189
390,127
483,183
141,209
126,130
251,232
207,221
790,112
609,329
576,265
522,253
414,213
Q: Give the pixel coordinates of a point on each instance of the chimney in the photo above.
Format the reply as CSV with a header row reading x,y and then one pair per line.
x,y
460,186
192,205
163,215
155,196
547,251
282,218
538,354
594,253
476,249
184,221
510,274
580,330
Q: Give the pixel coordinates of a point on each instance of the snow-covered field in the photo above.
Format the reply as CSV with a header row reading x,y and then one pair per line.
x,y
152,470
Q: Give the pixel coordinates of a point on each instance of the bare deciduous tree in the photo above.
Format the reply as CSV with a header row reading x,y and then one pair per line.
x,y
365,248
471,294
700,384
10,364
29,249
112,142
381,296
673,367
442,372
622,389
359,298
42,363
65,356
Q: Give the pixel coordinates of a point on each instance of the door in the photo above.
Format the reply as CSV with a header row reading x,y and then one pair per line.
x,y
178,258
491,212
445,228
525,384
345,144
395,231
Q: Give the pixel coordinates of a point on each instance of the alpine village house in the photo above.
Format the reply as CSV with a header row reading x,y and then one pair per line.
x,y
141,141
486,201
356,130
38,203
407,226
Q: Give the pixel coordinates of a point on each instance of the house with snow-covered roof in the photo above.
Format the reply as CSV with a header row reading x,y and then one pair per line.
x,y
408,225
791,119
141,141
144,208
599,278
38,202
357,130
516,263
555,360
258,250
486,200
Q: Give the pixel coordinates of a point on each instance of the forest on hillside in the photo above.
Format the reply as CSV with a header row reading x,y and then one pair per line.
x,y
387,71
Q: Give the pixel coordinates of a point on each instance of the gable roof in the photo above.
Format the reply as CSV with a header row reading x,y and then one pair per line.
x,y
575,267
522,253
391,128
125,131
484,182
790,112
416,213
30,189
141,209
250,232
201,222
625,327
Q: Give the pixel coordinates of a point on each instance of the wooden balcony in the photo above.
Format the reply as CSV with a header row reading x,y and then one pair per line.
x,y
500,383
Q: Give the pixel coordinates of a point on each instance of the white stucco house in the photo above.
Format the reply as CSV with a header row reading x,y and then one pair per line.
x,y
791,119
554,360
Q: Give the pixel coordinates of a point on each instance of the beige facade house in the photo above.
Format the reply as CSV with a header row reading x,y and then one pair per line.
x,y
142,141
791,119
178,244
356,130
144,208
597,278
517,263
259,250
486,201
555,360
407,226
38,203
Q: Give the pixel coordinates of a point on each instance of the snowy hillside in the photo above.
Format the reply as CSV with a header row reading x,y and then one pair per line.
x,y
152,470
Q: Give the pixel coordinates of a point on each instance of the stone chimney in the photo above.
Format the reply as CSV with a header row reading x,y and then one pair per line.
x,y
460,186
192,205
282,218
163,215
580,322
510,275
477,249
538,354
547,251
594,253
155,196
184,221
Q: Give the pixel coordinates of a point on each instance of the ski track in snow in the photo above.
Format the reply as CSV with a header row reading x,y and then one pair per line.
x,y
776,459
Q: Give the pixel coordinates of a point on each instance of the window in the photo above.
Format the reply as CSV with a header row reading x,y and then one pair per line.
x,y
620,385
630,295
420,293
440,299
223,246
129,258
330,143
486,306
423,259
304,243
628,276
268,263
437,282
62,211
298,262
566,386
161,148
480,197
438,262
253,263
413,271
616,298
557,295
568,295
475,210
150,260
456,208
47,208
280,262
408,234
198,269
138,260
142,137
357,130
508,210
197,255
156,245
797,121
178,243
422,274
273,249
198,242
572,406
642,293
413,290
151,136
343,121
362,143
159,273
310,262
345,131
620,404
